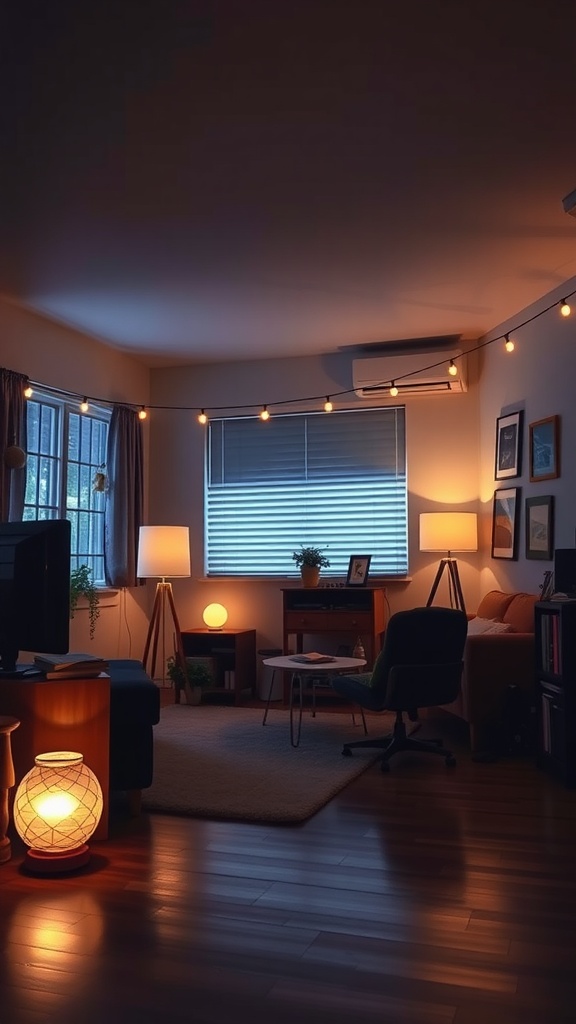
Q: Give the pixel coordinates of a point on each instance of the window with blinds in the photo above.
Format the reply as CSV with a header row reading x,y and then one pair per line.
x,y
336,481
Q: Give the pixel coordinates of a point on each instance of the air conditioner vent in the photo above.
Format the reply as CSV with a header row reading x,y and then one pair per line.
x,y
424,373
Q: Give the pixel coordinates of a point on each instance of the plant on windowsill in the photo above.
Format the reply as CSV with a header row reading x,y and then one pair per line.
x,y
82,585
310,560
197,678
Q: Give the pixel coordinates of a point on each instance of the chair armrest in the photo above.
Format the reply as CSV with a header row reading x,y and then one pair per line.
x,y
493,662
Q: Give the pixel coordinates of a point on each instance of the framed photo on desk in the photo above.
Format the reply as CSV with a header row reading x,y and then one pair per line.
x,y
358,570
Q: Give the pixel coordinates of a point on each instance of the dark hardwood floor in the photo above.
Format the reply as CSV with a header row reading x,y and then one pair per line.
x,y
427,896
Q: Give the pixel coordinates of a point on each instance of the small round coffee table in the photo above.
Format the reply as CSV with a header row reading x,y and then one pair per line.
x,y
298,668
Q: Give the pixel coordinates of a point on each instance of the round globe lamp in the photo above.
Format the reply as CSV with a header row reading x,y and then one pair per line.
x,y
215,616
57,807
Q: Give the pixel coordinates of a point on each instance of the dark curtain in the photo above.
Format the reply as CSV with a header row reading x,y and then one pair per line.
x,y
12,432
124,503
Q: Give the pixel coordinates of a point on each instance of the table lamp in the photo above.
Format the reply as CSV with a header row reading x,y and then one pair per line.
x,y
448,531
57,807
163,551
215,616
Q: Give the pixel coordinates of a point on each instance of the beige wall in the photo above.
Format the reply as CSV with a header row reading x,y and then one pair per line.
x,y
443,467
57,356
539,377
450,444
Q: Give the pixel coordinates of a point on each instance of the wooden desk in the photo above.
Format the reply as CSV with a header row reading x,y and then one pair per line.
x,y
61,714
347,612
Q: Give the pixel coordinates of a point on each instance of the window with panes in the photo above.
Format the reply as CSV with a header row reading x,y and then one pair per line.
x,y
65,449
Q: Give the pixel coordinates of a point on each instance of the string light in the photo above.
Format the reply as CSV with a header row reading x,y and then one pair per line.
x,y
565,311
84,405
328,404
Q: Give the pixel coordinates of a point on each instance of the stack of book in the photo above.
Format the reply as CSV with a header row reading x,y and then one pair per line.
x,y
70,666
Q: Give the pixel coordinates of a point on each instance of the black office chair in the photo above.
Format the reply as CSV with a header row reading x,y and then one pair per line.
x,y
420,665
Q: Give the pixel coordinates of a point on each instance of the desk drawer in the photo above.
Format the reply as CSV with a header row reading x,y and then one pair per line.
x,y
327,622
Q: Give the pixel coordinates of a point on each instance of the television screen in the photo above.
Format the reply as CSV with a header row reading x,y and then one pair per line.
x,y
34,589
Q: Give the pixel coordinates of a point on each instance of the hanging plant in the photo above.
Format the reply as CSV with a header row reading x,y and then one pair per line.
x,y
82,585
99,481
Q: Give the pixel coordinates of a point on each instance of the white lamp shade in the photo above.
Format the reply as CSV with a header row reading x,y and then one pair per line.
x,y
215,615
448,531
163,551
58,804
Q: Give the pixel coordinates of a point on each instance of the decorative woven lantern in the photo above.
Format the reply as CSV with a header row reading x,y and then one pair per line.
x,y
57,808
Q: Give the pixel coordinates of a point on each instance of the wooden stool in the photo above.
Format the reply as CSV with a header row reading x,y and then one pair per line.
x,y
7,780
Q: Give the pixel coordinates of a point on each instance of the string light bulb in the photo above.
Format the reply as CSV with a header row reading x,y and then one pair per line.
x,y
265,415
142,414
452,369
393,390
565,308
202,417
84,405
508,343
28,392
328,404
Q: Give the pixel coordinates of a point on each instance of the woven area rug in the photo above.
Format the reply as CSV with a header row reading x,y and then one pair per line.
x,y
221,762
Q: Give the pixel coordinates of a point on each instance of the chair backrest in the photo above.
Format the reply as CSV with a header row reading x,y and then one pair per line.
x,y
422,655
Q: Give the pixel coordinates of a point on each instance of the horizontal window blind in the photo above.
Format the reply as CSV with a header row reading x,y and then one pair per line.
x,y
336,481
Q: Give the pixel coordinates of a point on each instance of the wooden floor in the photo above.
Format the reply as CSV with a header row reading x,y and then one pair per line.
x,y
427,896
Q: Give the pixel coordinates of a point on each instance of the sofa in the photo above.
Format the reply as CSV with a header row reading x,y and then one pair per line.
x,y
499,654
134,711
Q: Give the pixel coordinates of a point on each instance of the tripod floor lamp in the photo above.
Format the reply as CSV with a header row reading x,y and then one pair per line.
x,y
163,551
448,531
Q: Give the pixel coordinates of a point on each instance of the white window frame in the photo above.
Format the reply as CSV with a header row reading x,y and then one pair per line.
x,y
336,483
59,480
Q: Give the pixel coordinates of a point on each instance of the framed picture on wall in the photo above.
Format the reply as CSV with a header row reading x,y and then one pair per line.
x,y
505,522
540,527
545,449
509,446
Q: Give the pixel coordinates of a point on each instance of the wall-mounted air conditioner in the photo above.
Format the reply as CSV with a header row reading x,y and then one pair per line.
x,y
423,373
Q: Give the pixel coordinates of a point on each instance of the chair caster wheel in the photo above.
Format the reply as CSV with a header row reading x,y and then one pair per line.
x,y
384,766
346,752
450,761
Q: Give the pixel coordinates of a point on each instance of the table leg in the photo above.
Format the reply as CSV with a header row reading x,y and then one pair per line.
x,y
296,677
7,780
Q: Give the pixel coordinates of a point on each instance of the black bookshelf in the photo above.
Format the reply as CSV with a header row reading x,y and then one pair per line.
x,y
555,636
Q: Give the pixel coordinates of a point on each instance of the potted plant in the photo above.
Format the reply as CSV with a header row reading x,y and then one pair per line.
x,y
82,585
196,678
310,560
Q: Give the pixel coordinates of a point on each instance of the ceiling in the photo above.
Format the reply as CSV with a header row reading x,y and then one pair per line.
x,y
234,179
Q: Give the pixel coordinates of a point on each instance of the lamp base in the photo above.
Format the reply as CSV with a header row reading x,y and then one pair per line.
x,y
456,596
40,862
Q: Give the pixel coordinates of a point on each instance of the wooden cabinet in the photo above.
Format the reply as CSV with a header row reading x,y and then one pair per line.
x,y
234,655
345,612
555,636
61,714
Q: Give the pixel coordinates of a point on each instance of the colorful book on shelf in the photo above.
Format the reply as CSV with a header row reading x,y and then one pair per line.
x,y
312,658
73,664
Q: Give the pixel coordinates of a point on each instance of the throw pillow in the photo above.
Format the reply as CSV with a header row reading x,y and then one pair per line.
x,y
479,626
